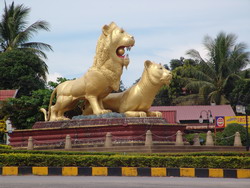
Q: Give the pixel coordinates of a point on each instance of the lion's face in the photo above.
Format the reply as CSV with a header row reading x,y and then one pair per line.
x,y
120,42
157,73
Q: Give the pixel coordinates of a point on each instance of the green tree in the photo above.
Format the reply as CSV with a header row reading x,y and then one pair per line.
x,y
21,61
226,137
24,111
59,80
174,63
241,93
15,34
225,60
21,70
163,97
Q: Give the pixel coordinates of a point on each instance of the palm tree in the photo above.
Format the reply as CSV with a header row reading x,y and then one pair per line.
x,y
15,34
210,78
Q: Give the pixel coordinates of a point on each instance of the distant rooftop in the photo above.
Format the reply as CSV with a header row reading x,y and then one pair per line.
x,y
5,94
184,113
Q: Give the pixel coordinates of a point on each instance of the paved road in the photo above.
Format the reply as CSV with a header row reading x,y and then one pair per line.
x,y
119,182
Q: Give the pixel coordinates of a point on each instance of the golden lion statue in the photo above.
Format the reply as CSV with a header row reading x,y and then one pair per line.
x,y
136,101
101,79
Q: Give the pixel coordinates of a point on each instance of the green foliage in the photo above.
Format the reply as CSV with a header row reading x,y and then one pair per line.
x,y
163,97
194,154
21,70
56,152
168,95
15,32
4,147
59,80
226,138
124,161
212,76
182,62
241,93
174,63
190,138
24,111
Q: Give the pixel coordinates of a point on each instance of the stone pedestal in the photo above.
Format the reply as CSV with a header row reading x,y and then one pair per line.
x,y
179,139
30,144
237,139
197,140
82,132
148,140
68,144
209,139
108,140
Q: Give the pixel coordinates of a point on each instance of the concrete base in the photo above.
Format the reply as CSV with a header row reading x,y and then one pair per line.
x,y
93,132
141,148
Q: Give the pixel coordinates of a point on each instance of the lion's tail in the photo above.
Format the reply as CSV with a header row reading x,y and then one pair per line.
x,y
44,111
50,102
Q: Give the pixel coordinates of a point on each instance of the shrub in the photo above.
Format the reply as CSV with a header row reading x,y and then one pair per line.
x,y
226,138
124,161
4,147
190,138
239,154
56,152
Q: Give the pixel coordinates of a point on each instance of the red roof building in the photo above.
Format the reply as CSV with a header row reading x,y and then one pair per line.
x,y
186,114
5,94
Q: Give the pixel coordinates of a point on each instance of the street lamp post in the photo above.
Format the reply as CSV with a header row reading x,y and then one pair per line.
x,y
242,109
209,117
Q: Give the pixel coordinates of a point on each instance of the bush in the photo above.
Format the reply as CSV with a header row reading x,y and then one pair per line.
x,y
239,154
4,147
226,138
190,138
55,152
124,161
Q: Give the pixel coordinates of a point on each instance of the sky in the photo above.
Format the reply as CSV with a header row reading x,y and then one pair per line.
x,y
163,29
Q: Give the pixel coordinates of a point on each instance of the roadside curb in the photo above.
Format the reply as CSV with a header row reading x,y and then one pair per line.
x,y
125,171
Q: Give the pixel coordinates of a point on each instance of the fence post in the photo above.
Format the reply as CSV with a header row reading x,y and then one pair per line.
x,y
197,140
68,144
108,140
30,143
149,139
237,139
179,139
209,139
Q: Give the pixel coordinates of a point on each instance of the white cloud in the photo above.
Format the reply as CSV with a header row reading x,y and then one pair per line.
x,y
163,29
53,76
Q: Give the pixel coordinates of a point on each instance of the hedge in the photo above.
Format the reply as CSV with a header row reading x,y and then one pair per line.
x,y
232,162
243,154
56,152
239,154
5,147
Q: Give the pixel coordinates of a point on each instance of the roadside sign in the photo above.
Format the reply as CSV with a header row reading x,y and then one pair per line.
x,y
220,121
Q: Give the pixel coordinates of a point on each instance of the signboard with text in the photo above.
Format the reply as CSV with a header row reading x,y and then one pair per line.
x,y
223,121
236,119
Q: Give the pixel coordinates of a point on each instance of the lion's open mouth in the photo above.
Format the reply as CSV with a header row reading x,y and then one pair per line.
x,y
122,52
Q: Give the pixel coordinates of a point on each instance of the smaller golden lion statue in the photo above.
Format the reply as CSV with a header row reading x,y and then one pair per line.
x,y
100,80
136,101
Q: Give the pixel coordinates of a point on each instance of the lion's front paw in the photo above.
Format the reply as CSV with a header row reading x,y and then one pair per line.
x,y
103,112
62,118
154,114
142,114
135,114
